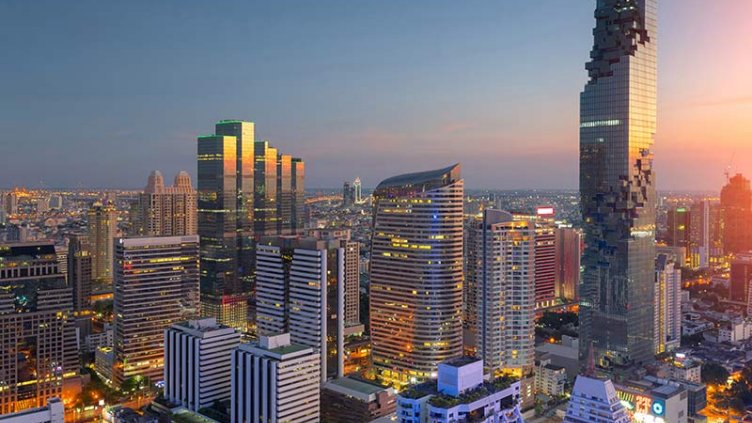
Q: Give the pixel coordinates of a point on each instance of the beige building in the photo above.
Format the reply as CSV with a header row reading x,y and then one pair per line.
x,y
102,232
166,210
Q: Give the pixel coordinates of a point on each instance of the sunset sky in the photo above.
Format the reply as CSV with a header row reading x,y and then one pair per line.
x,y
97,93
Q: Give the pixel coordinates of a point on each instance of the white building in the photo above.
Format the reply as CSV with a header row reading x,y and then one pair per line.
x,y
667,304
275,381
499,292
595,400
461,395
550,379
53,412
302,287
197,362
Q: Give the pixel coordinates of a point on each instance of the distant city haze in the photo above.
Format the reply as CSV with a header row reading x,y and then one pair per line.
x,y
98,94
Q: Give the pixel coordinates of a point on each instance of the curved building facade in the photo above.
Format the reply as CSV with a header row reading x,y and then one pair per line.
x,y
617,184
416,274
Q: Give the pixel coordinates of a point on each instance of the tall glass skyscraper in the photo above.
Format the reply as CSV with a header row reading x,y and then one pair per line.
x,y
617,184
416,274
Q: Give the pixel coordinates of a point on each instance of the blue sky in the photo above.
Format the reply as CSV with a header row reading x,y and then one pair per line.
x,y
99,93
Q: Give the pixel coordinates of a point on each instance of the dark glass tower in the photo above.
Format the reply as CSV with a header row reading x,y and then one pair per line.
x,y
617,184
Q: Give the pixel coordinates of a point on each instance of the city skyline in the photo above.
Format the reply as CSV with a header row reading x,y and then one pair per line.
x,y
88,107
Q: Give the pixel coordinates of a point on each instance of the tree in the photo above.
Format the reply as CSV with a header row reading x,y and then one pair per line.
x,y
714,374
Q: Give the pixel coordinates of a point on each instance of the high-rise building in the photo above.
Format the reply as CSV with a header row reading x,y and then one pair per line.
x,y
545,258
225,224
501,268
668,317
279,192
275,381
736,214
741,278
617,184
167,211
299,221
156,285
301,289
595,400
79,271
679,227
348,194
416,274
102,232
352,270
37,334
10,203
568,254
197,362
358,188
699,236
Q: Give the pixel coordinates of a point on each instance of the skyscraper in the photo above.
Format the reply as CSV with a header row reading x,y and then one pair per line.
x,y
679,227
348,194
741,278
545,261
37,334
265,193
301,289
224,165
279,192
736,214
501,268
358,188
156,285
416,274
699,235
617,183
166,211
667,304
568,255
79,271
102,232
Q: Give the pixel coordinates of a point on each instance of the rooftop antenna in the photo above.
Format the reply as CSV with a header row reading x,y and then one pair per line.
x,y
728,167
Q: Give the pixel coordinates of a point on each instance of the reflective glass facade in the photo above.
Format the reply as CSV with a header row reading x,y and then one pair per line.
x,y
617,183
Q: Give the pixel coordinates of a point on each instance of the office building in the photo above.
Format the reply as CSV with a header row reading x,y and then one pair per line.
x,y
416,274
275,381
279,192
197,362
102,232
166,210
595,400
568,254
461,395
348,194
37,334
80,271
53,412
679,227
545,258
741,277
10,203
358,189
347,400
617,184
225,221
700,241
501,268
302,289
736,214
668,317
156,285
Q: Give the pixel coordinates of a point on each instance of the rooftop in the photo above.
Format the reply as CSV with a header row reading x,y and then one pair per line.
x,y
358,385
422,180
